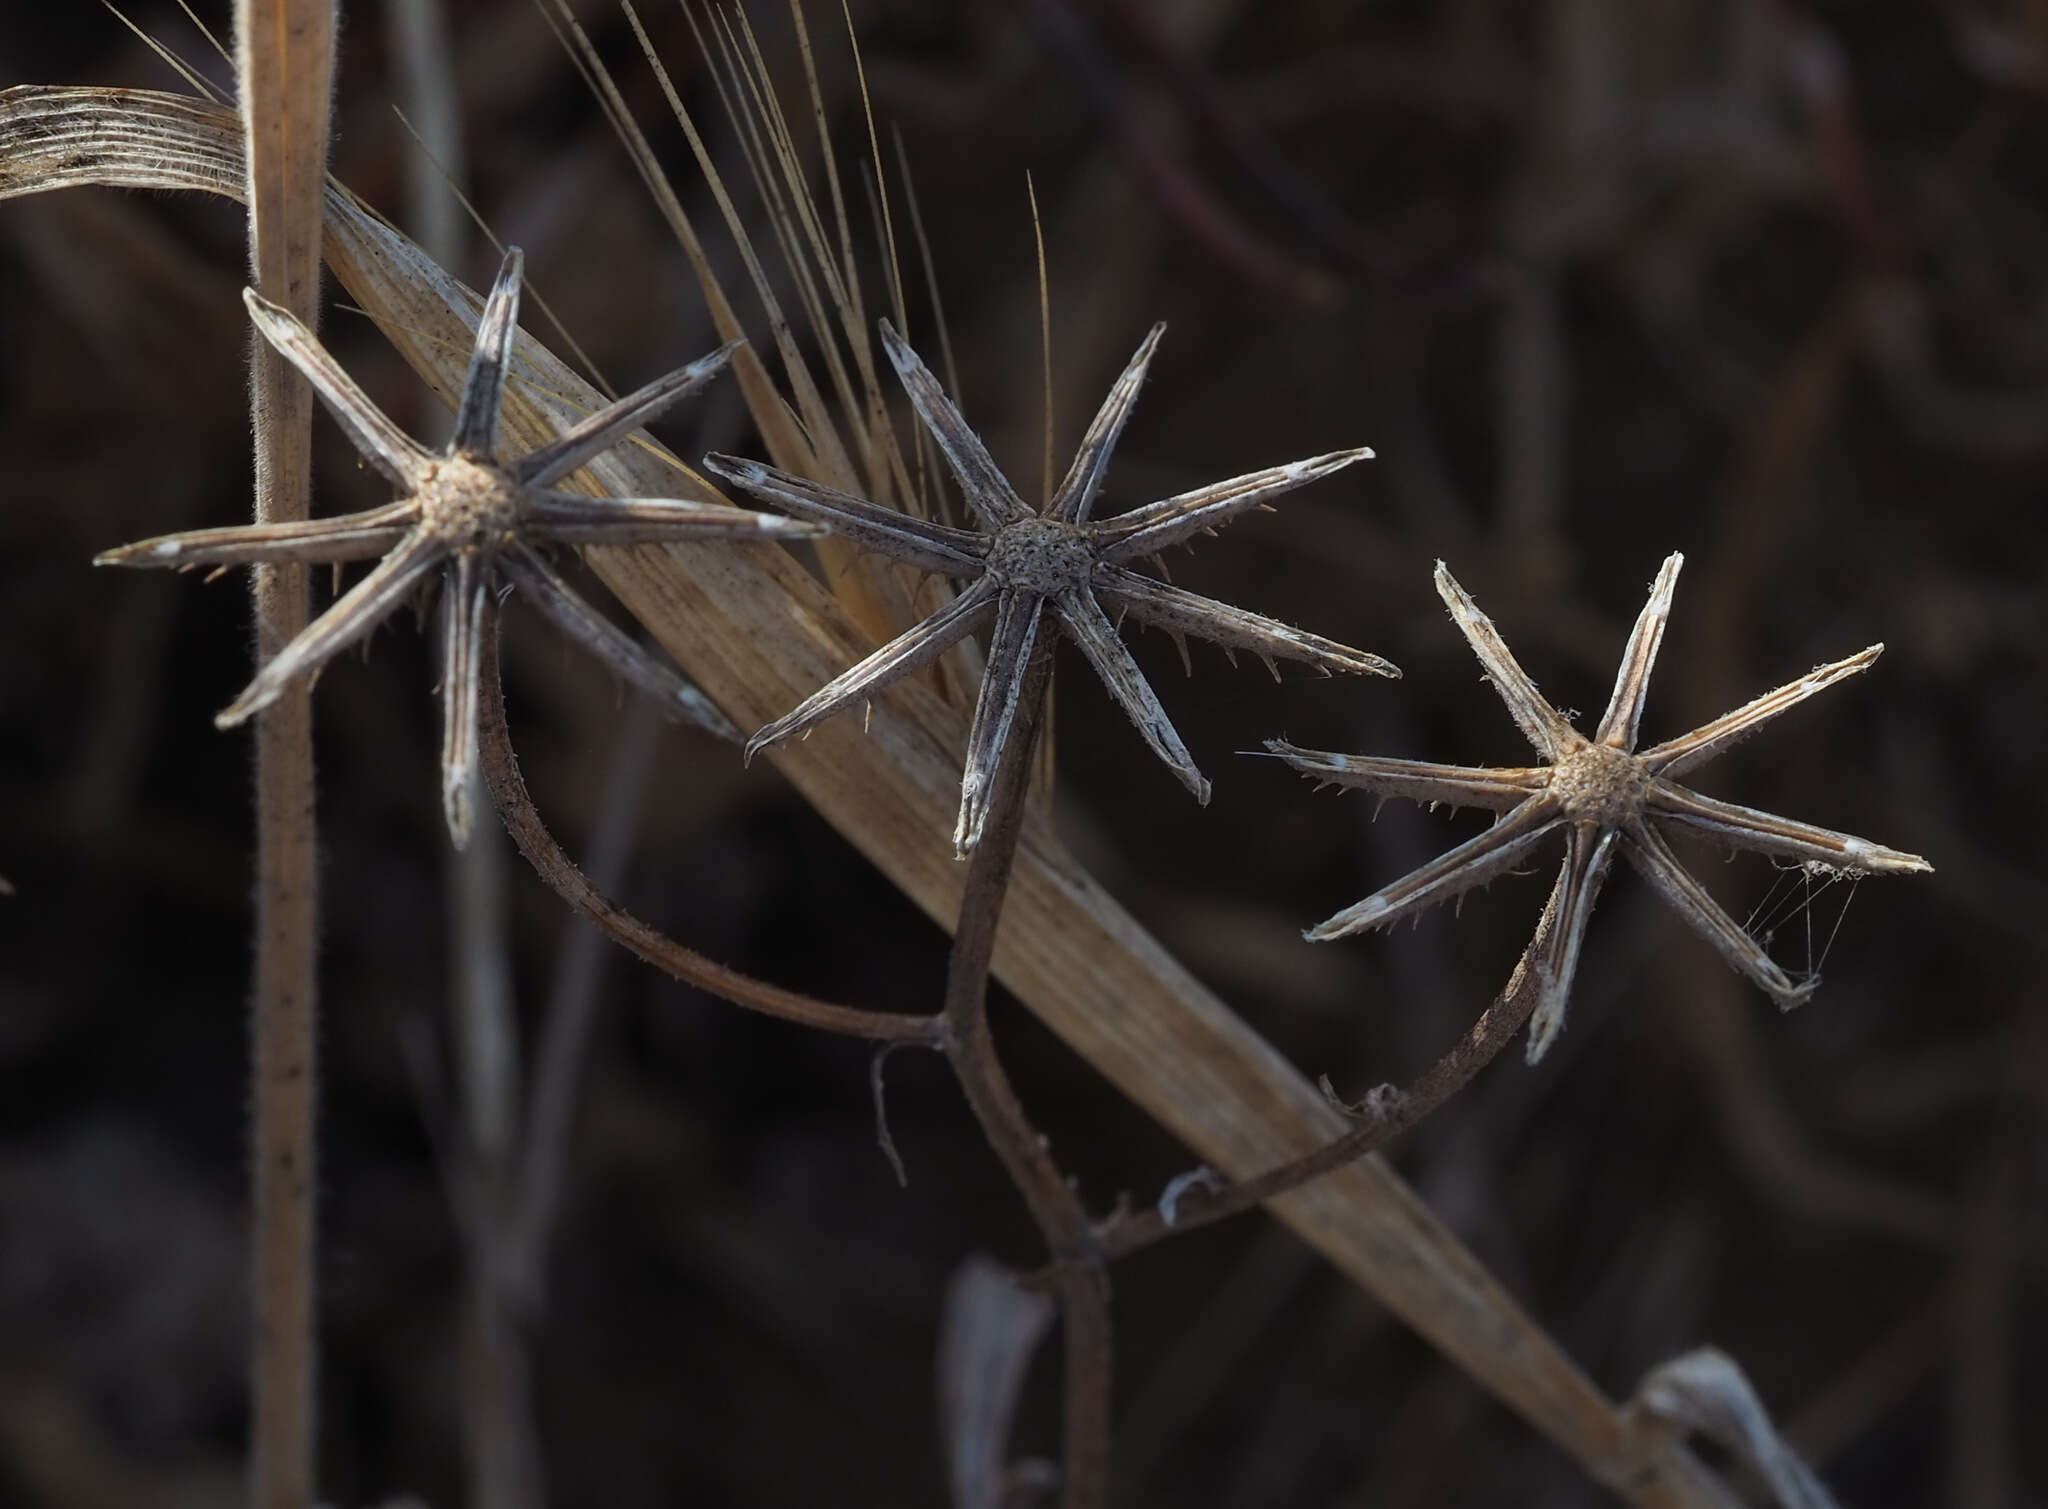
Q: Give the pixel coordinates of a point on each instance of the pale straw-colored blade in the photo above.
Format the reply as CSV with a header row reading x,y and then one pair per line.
x,y
916,542
483,389
611,644
1555,957
383,444
1097,639
573,519
347,537
1471,864
1182,613
995,710
465,598
1539,722
982,484
914,649
1766,833
1632,683
1648,852
355,614
1418,780
1689,751
1173,521
613,423
1076,495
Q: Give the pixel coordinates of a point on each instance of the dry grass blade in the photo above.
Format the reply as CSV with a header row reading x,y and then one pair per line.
x,y
758,633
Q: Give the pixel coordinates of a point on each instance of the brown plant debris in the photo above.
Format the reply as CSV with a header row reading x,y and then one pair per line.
x,y
1602,794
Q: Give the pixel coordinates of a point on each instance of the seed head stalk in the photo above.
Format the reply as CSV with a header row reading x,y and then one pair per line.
x,y
1080,1276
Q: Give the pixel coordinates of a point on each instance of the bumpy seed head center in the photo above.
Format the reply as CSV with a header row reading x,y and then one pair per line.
x,y
1600,785
467,502
1043,556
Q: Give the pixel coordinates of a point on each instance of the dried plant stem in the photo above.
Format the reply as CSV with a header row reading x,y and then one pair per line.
x,y
284,65
1080,1276
501,1435
1385,1116
523,821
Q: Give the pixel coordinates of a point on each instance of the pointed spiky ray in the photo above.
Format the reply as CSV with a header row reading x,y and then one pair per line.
x,y
1624,713
483,389
464,601
1674,757
478,519
606,427
357,537
1588,853
922,544
1472,863
1418,780
1077,493
1541,724
1607,799
913,650
381,442
987,490
1160,605
1176,521
1021,563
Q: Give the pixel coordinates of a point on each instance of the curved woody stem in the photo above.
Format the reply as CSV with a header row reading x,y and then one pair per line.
x,y
1385,1115
523,821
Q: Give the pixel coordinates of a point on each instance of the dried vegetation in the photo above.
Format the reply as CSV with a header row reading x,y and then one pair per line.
x,y
1597,281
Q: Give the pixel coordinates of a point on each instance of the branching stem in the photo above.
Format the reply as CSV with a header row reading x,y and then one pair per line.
x,y
1381,1119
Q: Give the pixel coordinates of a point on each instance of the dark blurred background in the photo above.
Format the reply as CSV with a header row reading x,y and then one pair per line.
x,y
1599,279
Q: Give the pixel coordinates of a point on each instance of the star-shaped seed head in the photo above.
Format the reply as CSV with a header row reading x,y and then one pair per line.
x,y
1020,564
480,520
1603,795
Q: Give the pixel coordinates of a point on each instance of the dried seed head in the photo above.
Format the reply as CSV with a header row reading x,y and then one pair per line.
x,y
1042,556
478,520
468,503
1029,573
1597,784
1608,800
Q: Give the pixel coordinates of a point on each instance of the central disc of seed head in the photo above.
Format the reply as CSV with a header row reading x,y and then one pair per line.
x,y
1600,785
1042,556
470,502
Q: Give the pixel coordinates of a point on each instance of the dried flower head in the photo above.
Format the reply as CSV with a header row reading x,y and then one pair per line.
x,y
1601,793
482,521
1020,562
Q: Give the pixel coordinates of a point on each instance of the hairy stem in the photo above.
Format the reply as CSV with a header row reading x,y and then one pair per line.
x,y
1081,1275
523,821
285,69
